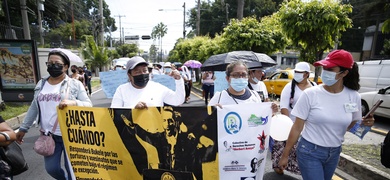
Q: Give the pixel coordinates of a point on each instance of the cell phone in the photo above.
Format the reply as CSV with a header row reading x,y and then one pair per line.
x,y
372,110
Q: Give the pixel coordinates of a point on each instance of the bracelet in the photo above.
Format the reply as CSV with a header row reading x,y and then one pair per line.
x,y
7,138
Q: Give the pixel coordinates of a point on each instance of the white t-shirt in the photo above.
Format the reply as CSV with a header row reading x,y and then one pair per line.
x,y
155,71
223,98
49,98
326,118
261,89
153,94
285,98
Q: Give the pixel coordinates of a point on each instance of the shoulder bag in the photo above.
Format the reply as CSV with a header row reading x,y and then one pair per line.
x,y
13,155
385,151
45,144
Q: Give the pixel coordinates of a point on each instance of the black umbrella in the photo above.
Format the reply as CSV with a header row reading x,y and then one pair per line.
x,y
220,61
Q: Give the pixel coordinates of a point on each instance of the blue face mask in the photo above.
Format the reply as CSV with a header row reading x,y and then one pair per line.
x,y
329,77
239,84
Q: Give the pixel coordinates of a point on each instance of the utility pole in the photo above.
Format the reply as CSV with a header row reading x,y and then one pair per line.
x,y
120,28
184,20
198,20
41,8
73,28
101,23
26,27
110,36
123,35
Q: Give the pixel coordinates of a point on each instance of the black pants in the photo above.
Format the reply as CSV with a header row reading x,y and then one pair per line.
x,y
208,90
89,87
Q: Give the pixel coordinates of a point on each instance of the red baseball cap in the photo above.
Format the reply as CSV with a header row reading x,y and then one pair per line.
x,y
340,58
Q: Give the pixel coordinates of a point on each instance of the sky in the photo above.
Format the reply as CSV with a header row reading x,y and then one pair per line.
x,y
140,16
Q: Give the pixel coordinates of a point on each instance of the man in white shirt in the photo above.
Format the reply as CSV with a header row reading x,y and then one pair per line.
x,y
140,93
255,83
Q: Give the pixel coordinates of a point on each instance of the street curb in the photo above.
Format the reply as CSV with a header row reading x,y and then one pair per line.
x,y
360,169
15,122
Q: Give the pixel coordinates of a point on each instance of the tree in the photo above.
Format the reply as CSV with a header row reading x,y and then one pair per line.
x,y
240,9
313,27
251,35
159,32
153,52
127,50
216,15
94,55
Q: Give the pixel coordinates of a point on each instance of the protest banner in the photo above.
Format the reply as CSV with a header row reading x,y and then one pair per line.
x,y
111,80
160,142
243,138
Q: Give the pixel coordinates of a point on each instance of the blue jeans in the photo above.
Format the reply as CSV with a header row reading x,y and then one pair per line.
x,y
317,162
53,162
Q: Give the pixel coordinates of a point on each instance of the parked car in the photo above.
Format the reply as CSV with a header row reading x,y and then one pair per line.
x,y
370,98
276,82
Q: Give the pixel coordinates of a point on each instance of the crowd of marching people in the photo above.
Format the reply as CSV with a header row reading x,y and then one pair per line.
x,y
321,114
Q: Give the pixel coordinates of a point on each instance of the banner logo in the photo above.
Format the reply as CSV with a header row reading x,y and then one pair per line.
x,y
232,123
255,121
167,176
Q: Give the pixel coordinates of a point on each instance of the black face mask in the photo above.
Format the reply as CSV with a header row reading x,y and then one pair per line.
x,y
55,71
141,80
73,70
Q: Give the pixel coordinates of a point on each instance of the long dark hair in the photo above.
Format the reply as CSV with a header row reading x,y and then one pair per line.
x,y
351,80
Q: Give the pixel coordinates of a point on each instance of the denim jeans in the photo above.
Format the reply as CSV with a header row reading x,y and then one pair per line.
x,y
208,90
317,162
53,162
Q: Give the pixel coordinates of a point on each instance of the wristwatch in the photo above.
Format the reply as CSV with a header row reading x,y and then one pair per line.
x,y
6,136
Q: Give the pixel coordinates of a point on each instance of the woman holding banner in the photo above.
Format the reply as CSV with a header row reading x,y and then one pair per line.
x,y
55,90
323,115
238,91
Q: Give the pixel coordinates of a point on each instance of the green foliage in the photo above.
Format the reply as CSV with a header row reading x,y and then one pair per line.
x,y
153,53
314,26
14,109
251,35
216,15
386,47
65,30
93,54
127,50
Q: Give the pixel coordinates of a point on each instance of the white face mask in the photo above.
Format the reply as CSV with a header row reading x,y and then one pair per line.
x,y
255,80
298,77
329,77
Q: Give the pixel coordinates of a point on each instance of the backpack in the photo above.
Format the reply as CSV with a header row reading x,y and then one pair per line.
x,y
385,151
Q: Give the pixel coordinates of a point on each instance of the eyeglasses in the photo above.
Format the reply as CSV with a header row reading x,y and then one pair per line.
x,y
57,65
238,75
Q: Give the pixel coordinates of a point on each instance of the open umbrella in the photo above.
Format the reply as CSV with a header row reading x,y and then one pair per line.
x,y
220,61
193,64
72,56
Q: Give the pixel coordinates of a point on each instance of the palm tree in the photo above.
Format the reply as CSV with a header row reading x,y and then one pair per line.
x,y
159,32
94,55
